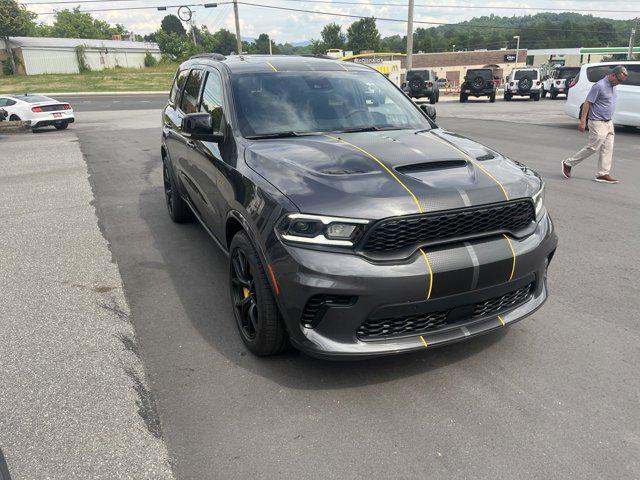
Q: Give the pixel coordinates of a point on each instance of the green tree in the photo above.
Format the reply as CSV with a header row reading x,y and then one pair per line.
x,y
77,24
172,45
394,43
172,24
261,44
332,36
363,35
15,20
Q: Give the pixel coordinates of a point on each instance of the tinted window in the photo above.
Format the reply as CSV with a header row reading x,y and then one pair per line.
x,y
321,102
595,74
178,82
487,74
421,74
212,99
566,73
3,102
189,102
532,74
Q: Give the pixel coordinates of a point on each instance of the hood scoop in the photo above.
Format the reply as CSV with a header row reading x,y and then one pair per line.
x,y
342,171
431,166
487,156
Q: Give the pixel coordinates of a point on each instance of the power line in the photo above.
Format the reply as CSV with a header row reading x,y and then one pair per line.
x,y
164,7
428,5
424,22
490,7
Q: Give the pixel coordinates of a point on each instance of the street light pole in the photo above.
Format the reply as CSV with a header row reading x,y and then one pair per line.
x,y
238,40
517,48
453,48
270,49
409,62
632,40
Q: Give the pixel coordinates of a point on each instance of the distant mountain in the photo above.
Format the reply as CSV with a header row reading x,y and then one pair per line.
x,y
303,43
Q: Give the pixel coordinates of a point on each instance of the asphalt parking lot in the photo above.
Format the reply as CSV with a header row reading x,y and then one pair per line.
x,y
555,396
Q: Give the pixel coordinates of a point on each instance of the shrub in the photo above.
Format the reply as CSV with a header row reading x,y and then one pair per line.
x,y
83,65
150,60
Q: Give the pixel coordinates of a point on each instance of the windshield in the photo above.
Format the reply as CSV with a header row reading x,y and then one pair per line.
x,y
531,74
567,73
309,102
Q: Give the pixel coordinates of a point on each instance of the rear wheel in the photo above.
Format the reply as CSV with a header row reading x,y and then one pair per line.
x,y
14,118
432,98
257,317
507,96
62,126
544,93
178,209
463,98
492,98
554,95
536,97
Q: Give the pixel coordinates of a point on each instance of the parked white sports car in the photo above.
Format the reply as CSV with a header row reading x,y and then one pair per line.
x,y
40,110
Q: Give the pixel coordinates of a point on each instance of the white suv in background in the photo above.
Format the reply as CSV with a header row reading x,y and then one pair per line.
x,y
523,82
628,104
559,81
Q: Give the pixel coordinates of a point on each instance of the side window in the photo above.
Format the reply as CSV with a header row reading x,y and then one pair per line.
x,y
189,101
10,102
3,102
178,82
213,99
595,74
634,75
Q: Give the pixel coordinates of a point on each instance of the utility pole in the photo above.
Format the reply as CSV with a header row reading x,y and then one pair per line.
x,y
238,39
193,30
632,40
517,48
409,62
270,49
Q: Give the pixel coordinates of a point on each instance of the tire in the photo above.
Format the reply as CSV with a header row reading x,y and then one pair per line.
x,y
432,99
14,118
536,97
507,97
554,95
544,93
263,331
463,98
492,98
178,209
62,126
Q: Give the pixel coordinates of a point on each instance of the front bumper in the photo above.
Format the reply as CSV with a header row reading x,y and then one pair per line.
x,y
461,275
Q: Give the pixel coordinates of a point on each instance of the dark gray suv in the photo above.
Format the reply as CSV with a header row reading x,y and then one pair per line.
x,y
354,226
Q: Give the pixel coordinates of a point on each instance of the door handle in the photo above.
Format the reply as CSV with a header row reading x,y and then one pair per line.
x,y
191,144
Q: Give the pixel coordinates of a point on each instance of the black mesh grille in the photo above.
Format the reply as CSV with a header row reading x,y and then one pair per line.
x,y
418,324
317,306
503,302
52,108
400,232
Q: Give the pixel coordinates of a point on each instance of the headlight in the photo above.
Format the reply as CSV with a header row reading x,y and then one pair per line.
x,y
538,201
321,230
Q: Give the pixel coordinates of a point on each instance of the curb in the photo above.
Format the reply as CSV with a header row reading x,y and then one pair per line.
x,y
15,127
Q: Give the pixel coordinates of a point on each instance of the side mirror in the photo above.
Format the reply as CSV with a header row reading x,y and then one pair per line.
x,y
430,110
199,126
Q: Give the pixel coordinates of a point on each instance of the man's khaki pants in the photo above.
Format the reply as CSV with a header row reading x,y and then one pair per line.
x,y
601,135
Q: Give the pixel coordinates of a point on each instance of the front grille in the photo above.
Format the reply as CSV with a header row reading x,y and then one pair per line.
x,y
409,325
400,232
317,306
503,302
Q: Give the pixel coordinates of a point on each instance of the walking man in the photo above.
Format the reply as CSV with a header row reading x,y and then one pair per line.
x,y
598,108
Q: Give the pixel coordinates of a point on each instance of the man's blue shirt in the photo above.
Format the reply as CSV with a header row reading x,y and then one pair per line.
x,y
602,98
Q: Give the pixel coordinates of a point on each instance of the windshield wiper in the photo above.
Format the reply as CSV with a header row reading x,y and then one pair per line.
x,y
288,134
371,128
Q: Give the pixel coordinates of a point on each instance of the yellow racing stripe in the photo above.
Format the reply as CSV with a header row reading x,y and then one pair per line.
x,y
424,342
426,260
501,320
373,157
513,252
271,65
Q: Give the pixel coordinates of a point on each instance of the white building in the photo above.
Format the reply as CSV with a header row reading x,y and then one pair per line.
x,y
574,57
60,55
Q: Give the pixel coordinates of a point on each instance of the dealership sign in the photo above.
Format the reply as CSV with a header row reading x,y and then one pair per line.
x,y
509,57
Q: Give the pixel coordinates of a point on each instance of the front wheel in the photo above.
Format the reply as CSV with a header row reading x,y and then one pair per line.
x,y
257,317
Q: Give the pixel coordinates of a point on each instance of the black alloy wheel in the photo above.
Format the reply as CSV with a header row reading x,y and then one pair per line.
x,y
243,292
478,83
254,307
168,188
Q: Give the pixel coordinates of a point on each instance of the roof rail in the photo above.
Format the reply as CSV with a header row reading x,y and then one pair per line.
x,y
212,56
315,55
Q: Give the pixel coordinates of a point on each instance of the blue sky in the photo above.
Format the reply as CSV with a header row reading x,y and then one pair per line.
x,y
292,26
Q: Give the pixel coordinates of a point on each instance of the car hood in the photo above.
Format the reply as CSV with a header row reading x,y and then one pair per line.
x,y
387,173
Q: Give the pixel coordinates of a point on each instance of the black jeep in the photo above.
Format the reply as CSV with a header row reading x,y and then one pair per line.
x,y
478,82
421,83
